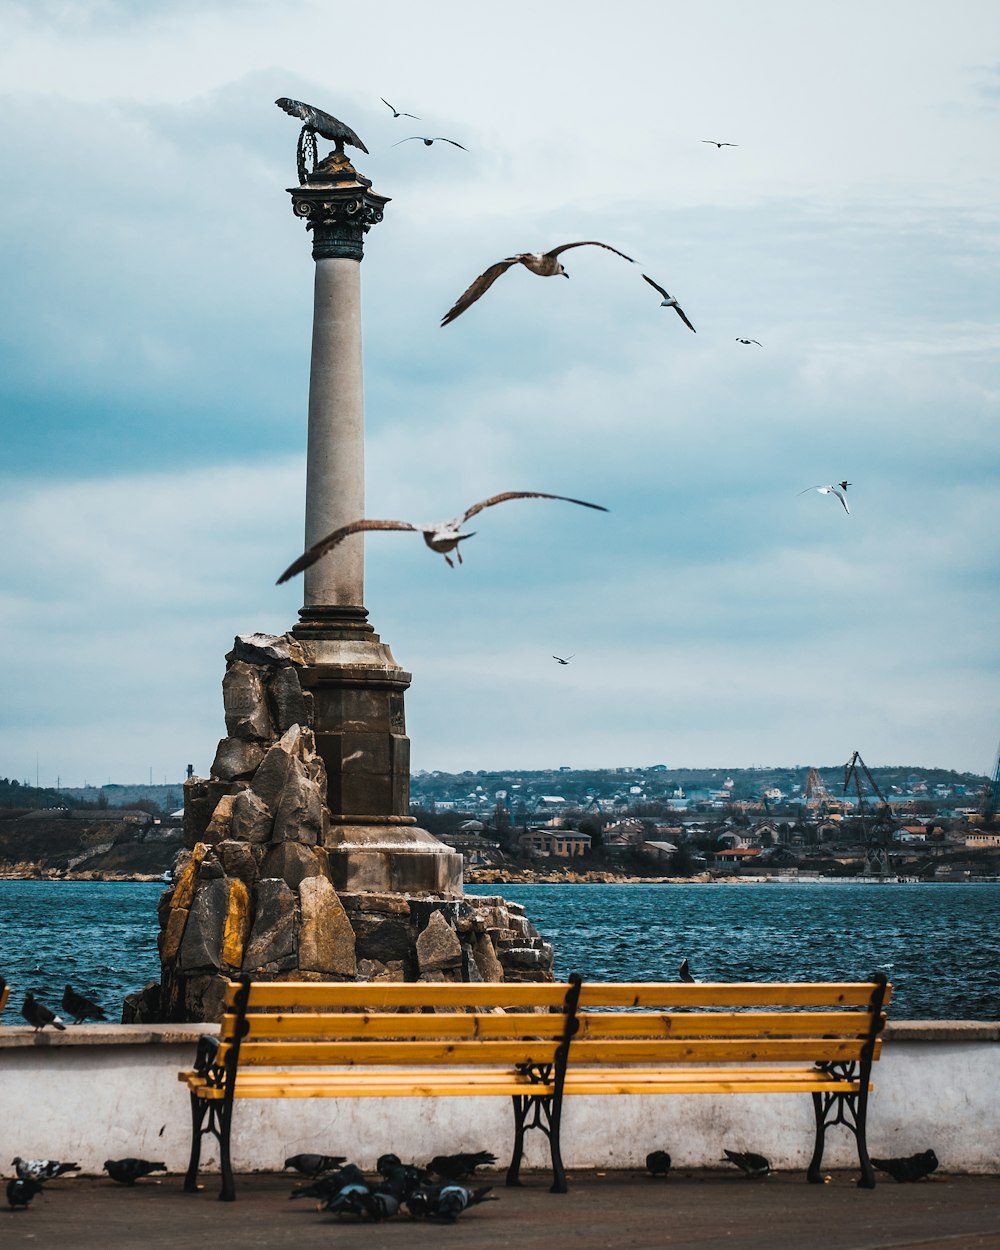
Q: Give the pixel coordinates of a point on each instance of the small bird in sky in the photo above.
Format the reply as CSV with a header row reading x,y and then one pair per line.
x,y
427,142
20,1193
912,1168
749,341
545,264
128,1171
837,490
669,302
41,1169
754,1166
313,1165
720,145
80,1008
561,660
658,1163
685,973
38,1015
395,111
440,536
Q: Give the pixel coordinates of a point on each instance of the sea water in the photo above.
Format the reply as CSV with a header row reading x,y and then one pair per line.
x,y
938,943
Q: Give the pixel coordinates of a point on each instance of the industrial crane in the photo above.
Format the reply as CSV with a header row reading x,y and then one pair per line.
x,y
876,827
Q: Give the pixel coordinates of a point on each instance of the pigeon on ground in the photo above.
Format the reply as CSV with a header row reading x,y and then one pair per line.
x,y
80,1008
349,1199
454,1167
427,142
912,1168
128,1171
38,1015
20,1192
685,973
545,264
325,1187
404,1176
447,1201
313,1165
670,302
837,490
749,341
440,536
754,1166
658,1163
559,659
720,145
41,1169
395,112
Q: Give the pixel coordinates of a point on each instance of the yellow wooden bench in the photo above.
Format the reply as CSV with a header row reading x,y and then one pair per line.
x,y
537,1043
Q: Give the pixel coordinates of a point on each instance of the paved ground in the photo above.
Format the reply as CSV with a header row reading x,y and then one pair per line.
x,y
614,1209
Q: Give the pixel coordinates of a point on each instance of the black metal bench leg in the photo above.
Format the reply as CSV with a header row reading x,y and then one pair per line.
x,y
228,1190
558,1185
520,1111
199,1108
814,1175
867,1180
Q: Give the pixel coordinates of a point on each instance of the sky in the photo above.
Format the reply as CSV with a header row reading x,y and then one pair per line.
x,y
154,359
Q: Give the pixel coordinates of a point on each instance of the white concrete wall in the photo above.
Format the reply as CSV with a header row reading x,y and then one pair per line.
x,y
100,1092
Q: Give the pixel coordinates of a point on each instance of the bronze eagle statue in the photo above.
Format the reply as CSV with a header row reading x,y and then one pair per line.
x,y
316,122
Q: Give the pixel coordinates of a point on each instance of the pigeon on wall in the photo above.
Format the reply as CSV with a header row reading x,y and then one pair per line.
x,y
38,1015
80,1008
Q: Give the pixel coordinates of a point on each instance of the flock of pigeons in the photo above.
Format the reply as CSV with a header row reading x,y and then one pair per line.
x,y
444,536
33,1173
434,1190
75,1006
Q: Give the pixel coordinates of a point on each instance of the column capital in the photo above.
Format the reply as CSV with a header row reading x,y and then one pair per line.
x,y
339,207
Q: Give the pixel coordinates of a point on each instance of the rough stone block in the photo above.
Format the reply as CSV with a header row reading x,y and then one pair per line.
x,y
250,819
288,703
384,939
218,827
298,815
438,947
237,924
172,933
266,649
204,997
326,939
245,702
269,779
272,937
236,758
291,862
485,958
201,947
200,801
237,861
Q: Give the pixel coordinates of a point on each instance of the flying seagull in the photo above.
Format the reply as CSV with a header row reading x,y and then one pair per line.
x,y
837,490
720,145
396,112
545,264
559,659
441,536
669,302
748,341
427,142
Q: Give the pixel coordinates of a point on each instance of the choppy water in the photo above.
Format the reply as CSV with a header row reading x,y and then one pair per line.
x,y
940,944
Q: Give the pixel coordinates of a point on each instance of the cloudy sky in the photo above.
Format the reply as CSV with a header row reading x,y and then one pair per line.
x,y
155,329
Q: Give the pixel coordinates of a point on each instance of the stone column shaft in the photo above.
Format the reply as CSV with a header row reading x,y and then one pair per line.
x,y
335,474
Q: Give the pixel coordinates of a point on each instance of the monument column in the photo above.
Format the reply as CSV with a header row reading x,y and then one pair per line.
x,y
357,687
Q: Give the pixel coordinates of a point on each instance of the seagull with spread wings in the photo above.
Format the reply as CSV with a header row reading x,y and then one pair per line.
x,y
427,142
561,660
440,536
395,111
749,341
545,264
720,145
837,490
670,302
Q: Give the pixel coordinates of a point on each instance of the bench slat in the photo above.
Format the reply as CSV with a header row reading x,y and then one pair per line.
x,y
393,1025
725,994
375,994
460,1050
712,1050
722,1024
